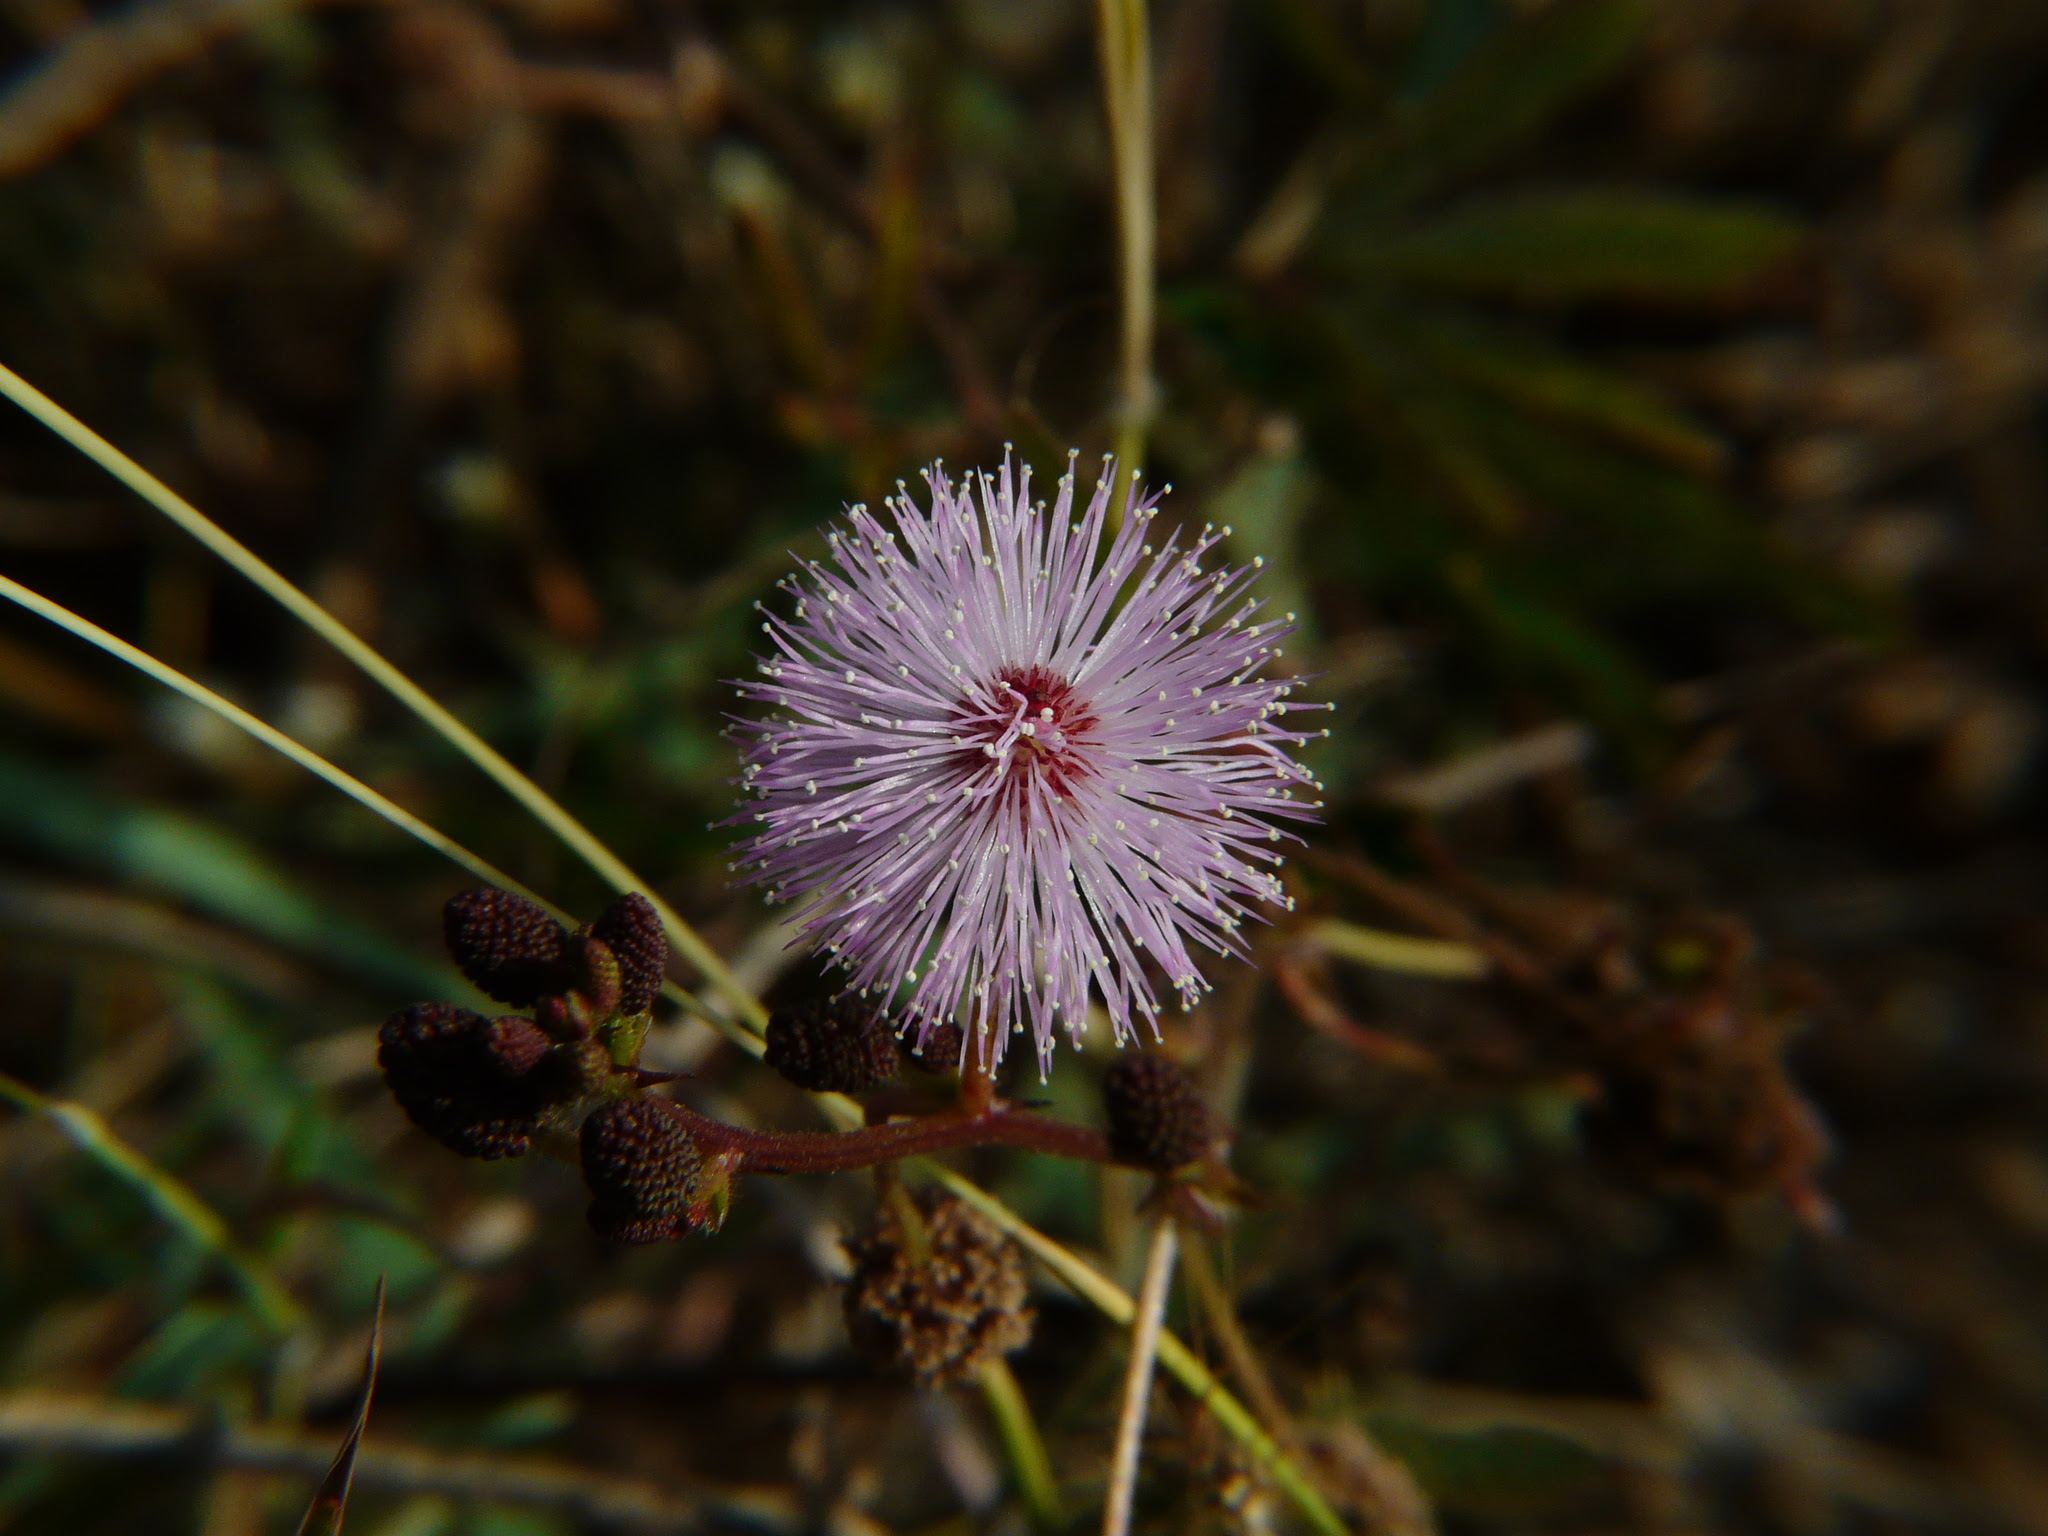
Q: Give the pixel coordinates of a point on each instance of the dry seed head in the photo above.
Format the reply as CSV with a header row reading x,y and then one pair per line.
x,y
459,1077
945,1315
631,929
1157,1119
642,1170
842,1046
507,945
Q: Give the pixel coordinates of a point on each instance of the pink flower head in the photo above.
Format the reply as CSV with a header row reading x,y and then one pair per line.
x,y
1001,767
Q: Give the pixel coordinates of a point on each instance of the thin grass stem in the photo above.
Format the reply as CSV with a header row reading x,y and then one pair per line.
x,y
531,797
1130,1419
1116,1304
1216,1306
1124,36
1023,1444
1443,958
268,734
306,758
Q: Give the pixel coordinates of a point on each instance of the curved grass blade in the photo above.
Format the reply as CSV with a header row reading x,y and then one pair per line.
x,y
330,1500
268,734
304,756
531,797
1023,1444
169,1195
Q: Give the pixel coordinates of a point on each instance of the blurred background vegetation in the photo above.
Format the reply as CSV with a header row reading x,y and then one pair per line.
x,y
1640,403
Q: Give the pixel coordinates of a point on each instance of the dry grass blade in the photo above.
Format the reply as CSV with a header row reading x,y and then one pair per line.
x,y
308,759
531,797
1441,958
169,1195
269,735
1130,1422
1113,1302
330,1500
1125,40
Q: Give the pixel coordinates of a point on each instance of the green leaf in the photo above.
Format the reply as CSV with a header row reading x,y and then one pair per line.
x,y
191,1349
1264,503
202,865
255,1089
1504,92
1503,1472
1522,370
1580,244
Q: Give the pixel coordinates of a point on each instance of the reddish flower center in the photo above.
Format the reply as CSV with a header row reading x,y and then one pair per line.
x,y
1035,723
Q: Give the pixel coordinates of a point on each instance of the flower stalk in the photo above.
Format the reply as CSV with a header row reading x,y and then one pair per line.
x,y
752,1151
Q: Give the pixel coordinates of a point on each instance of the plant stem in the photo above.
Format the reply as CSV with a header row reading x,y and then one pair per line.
x,y
749,1151
1114,1303
1217,1307
1130,1422
1125,39
1021,1440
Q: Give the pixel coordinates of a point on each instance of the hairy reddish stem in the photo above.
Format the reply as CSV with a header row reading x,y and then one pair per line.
x,y
839,1151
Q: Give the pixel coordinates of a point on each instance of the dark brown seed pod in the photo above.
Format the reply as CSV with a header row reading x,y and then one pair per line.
x,y
940,1302
1157,1119
642,1170
507,945
631,928
516,1045
456,1075
601,985
941,1048
842,1046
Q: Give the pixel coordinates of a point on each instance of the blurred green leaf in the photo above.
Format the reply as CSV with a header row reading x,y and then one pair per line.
x,y
1537,640
528,1419
1516,80
190,1350
1525,371
1264,503
1502,1473
173,1201
1582,243
257,1090
214,871
369,1256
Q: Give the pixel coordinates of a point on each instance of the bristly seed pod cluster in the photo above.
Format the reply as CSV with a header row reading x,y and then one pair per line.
x,y
487,1087
473,1084
841,1046
940,1300
1157,1117
647,1183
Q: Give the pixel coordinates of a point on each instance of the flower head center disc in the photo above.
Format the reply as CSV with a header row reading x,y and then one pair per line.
x,y
1031,721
